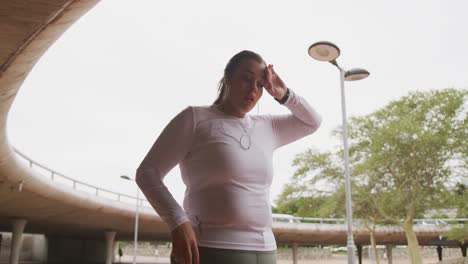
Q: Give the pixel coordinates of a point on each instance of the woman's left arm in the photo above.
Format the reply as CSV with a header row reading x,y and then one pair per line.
x,y
302,121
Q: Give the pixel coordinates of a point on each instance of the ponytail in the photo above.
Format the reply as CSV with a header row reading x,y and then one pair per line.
x,y
221,91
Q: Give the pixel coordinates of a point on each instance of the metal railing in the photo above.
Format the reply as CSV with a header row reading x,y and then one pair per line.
x,y
322,220
428,221
98,191
76,184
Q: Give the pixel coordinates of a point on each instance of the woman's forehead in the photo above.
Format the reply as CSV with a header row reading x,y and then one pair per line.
x,y
252,67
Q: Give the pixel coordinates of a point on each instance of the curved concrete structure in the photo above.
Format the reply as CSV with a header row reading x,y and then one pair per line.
x,y
27,29
335,234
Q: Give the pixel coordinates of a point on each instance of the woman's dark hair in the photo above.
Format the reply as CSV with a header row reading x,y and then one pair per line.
x,y
231,67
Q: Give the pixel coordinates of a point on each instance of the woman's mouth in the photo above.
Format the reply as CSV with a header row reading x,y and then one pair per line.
x,y
250,99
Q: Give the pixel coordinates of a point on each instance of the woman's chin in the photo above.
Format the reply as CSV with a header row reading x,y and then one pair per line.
x,y
246,106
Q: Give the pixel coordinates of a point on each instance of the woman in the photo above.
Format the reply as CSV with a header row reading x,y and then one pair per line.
x,y
225,158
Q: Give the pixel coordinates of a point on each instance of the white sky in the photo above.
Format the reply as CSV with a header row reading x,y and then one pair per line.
x,y
96,101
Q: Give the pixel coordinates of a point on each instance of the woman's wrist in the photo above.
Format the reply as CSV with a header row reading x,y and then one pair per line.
x,y
284,98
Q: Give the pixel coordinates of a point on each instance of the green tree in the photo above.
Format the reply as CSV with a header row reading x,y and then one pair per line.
x,y
407,156
412,152
318,196
459,197
365,208
459,233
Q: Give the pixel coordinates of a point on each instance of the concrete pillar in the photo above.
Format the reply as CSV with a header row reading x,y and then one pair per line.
x,y
439,252
389,253
463,249
110,243
359,253
294,249
39,248
16,240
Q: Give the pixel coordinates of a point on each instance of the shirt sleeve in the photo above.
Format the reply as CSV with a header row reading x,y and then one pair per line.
x,y
171,147
302,121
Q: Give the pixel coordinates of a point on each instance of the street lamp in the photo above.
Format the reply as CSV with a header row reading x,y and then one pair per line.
x,y
327,51
135,242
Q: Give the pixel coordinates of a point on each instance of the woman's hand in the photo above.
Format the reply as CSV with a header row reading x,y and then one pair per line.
x,y
184,244
273,83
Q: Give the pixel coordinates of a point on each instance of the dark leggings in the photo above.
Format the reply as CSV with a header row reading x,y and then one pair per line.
x,y
232,256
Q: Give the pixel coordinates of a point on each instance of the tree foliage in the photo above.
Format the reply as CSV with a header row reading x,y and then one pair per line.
x,y
459,233
413,151
298,198
405,158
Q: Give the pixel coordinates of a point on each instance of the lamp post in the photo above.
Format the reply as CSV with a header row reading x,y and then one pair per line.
x,y
327,51
135,242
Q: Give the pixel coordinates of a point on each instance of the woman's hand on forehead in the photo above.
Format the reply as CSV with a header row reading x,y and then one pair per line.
x,y
273,83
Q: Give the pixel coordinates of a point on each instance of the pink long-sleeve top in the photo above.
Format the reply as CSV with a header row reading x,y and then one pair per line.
x,y
227,186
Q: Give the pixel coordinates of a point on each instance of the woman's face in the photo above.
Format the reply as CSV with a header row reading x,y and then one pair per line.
x,y
246,85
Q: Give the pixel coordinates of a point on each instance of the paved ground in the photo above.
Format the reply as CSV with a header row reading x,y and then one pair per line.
x,y
336,259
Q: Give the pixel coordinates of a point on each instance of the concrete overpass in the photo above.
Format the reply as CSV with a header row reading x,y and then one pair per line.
x,y
82,211
32,203
64,205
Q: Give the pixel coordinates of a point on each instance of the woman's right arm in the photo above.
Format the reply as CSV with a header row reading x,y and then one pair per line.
x,y
171,147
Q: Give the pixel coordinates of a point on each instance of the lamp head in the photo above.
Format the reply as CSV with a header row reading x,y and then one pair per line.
x,y
356,74
324,51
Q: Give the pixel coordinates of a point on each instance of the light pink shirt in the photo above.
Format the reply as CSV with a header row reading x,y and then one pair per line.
x,y
227,197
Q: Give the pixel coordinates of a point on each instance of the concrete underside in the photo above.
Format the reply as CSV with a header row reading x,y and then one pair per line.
x,y
27,30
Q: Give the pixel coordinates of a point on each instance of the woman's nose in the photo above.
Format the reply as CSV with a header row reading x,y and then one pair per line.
x,y
256,85
252,87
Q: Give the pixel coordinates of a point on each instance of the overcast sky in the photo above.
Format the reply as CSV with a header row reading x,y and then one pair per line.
x,y
96,101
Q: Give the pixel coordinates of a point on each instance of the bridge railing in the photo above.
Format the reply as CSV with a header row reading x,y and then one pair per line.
x,y
428,222
322,220
79,185
129,199
440,221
